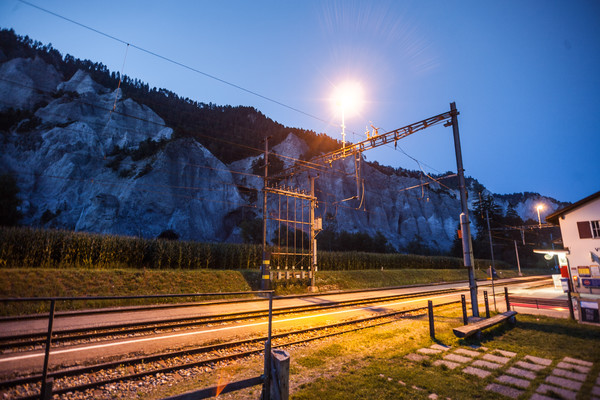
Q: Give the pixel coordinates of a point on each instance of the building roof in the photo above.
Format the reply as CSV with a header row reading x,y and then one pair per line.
x,y
553,218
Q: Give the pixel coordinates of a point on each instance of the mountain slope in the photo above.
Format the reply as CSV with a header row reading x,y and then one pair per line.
x,y
89,157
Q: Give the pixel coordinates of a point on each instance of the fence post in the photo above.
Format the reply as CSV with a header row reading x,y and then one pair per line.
x,y
280,376
266,393
506,297
46,389
464,309
430,312
487,304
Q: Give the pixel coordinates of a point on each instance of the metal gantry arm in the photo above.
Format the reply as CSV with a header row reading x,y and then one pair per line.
x,y
383,139
450,119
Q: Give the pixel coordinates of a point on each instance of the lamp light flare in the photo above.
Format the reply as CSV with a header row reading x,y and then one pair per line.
x,y
348,98
540,207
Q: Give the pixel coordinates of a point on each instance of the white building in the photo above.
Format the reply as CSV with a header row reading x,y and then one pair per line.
x,y
580,229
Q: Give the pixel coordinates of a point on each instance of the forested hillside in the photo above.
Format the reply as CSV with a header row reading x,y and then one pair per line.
x,y
188,118
85,151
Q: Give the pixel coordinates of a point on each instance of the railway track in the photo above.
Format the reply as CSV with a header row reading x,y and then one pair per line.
x,y
99,375
88,378
114,331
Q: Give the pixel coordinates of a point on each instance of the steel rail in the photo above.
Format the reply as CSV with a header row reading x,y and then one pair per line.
x,y
121,309
62,336
86,333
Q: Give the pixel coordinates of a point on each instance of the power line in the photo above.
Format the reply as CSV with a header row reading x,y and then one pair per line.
x,y
170,60
307,164
136,187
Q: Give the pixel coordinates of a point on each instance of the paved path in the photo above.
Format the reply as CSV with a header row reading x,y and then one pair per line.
x,y
512,375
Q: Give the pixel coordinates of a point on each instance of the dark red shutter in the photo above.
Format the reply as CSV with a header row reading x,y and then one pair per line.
x,y
585,230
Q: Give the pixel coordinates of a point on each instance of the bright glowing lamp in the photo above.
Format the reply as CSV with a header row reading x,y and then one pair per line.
x,y
348,99
540,207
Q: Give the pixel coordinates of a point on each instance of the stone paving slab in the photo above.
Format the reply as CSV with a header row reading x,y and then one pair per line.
x,y
596,390
486,364
441,347
496,359
448,364
538,360
457,358
481,373
598,380
505,353
564,393
569,374
578,368
416,357
504,390
523,373
579,362
511,380
563,382
530,366
468,353
537,396
427,350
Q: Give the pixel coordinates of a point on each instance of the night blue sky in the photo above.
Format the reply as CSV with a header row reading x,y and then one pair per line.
x,y
525,75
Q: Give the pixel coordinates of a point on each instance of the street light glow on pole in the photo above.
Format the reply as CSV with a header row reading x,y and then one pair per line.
x,y
540,207
347,100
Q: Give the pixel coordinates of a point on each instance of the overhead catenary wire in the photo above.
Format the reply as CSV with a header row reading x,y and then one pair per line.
x,y
172,61
305,163
136,187
128,44
214,138
120,80
308,164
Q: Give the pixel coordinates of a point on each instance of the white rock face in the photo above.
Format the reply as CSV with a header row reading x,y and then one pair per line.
x,y
292,147
21,80
65,181
81,83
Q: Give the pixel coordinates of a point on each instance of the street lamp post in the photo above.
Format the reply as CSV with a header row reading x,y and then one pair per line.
x,y
540,207
348,98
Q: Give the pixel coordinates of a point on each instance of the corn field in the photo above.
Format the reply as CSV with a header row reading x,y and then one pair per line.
x,y
22,247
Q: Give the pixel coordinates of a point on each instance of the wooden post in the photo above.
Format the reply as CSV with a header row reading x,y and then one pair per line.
x,y
280,376
464,309
430,312
506,297
487,304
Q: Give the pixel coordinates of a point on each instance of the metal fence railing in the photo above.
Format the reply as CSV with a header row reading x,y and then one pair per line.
x,y
264,379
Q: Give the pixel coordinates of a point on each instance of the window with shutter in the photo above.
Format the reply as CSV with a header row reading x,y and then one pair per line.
x,y
595,229
585,230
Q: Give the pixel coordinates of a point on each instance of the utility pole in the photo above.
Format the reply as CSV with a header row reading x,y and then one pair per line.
x,y
487,217
465,224
313,235
518,262
265,273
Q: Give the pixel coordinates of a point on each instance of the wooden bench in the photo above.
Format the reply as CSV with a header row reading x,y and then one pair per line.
x,y
476,327
537,302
